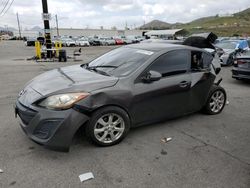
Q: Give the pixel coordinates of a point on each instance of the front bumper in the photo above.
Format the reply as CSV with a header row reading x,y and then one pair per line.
x,y
51,128
240,73
225,60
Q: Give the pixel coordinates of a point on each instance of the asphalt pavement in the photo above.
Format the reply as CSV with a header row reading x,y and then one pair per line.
x,y
205,151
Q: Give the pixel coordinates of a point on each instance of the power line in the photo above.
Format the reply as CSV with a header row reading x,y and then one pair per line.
x,y
7,2
3,1
8,7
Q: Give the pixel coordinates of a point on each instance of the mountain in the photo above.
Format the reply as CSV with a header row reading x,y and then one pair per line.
x,y
222,25
36,28
156,25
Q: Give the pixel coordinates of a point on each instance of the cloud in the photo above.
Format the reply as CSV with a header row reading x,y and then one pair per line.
x,y
117,7
108,13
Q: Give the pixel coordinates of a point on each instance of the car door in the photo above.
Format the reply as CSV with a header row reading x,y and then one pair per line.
x,y
201,79
167,97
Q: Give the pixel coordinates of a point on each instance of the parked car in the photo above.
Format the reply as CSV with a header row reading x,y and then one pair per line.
x,y
133,38
227,50
68,42
94,41
126,40
30,42
82,42
126,87
241,67
105,41
140,38
118,41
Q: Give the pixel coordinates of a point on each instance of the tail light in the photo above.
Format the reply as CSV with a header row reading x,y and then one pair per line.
x,y
241,62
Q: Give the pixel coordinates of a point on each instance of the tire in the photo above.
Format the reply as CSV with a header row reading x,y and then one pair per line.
x,y
101,129
216,100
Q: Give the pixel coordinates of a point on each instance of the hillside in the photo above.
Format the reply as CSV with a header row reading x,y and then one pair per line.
x,y
157,25
227,25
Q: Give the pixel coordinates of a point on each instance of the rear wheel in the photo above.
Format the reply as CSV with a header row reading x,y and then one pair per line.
x,y
108,126
216,100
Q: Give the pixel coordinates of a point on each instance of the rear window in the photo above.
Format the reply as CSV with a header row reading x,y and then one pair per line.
x,y
227,45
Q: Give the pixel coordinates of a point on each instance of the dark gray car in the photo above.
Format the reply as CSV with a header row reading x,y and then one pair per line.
x,y
241,68
129,86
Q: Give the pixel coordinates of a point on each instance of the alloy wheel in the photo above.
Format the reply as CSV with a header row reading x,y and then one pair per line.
x,y
109,128
217,101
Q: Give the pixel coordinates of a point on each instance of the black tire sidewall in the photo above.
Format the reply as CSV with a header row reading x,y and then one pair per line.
x,y
89,131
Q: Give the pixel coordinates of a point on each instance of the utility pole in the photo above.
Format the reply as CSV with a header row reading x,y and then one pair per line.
x,y
57,26
18,25
46,18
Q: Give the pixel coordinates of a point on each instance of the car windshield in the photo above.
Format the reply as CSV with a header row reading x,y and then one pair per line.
x,y
121,61
227,45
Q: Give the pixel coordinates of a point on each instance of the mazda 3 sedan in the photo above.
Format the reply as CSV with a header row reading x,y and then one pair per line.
x,y
130,86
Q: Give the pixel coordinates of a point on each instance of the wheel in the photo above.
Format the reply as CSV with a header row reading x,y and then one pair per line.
x,y
108,126
216,100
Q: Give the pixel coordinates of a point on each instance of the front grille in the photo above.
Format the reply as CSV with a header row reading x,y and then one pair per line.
x,y
26,114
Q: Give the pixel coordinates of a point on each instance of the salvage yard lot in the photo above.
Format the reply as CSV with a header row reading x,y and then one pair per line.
x,y
205,151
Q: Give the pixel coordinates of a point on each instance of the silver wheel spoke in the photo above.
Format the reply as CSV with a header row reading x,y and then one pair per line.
x,y
212,103
97,131
118,129
112,136
110,118
118,121
104,136
102,122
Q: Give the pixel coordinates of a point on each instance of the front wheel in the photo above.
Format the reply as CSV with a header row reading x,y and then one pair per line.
x,y
108,126
216,100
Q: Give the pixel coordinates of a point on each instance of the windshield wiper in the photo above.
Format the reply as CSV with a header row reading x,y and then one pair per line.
x,y
95,68
101,66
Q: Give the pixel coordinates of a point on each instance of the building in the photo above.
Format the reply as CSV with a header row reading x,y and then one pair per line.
x,y
92,32
27,34
81,32
166,34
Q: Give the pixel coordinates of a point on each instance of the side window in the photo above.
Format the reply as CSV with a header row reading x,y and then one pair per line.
x,y
196,61
207,60
171,63
200,60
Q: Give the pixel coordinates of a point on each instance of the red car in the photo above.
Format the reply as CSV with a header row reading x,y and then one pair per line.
x,y
119,41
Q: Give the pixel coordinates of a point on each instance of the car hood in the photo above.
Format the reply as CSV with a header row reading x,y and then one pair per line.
x,y
63,80
229,51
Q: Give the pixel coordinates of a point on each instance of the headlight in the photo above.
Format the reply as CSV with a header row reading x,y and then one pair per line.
x,y
62,101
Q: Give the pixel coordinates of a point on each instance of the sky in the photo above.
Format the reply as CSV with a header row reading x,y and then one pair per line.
x,y
109,13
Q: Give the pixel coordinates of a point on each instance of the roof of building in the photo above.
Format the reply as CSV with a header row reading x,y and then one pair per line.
x,y
169,32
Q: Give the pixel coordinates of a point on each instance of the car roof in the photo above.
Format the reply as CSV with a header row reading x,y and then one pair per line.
x,y
160,47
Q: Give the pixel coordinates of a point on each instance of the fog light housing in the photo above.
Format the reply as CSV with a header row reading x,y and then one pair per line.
x,y
47,128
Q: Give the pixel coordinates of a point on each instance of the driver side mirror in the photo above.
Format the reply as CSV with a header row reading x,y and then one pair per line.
x,y
151,76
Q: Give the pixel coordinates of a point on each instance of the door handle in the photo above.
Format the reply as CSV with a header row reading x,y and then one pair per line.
x,y
183,84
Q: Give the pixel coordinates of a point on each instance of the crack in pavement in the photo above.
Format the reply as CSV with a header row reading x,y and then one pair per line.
x,y
215,147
